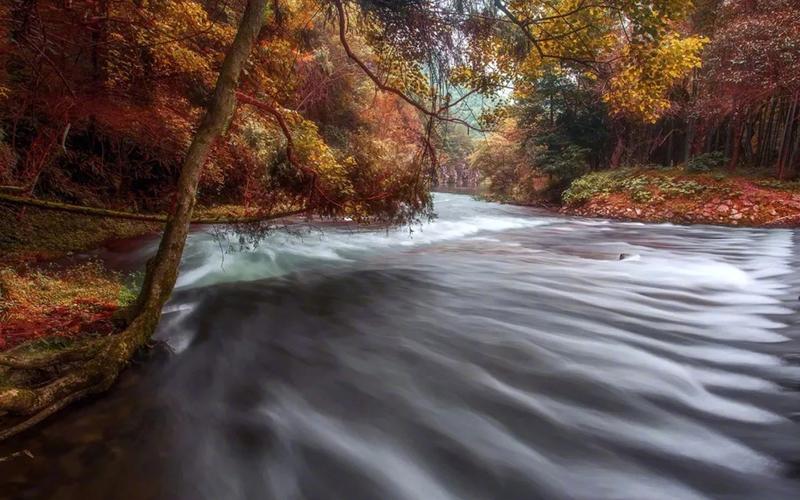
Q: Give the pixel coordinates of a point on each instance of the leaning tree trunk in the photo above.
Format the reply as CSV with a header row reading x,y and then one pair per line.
x,y
94,366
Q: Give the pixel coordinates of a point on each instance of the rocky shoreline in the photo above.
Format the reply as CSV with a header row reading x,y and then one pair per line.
x,y
736,202
718,212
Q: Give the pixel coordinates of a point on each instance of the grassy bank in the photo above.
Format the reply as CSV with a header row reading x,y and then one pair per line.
x,y
44,295
32,234
48,300
674,195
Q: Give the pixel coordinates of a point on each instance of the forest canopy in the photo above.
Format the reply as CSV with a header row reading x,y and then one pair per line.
x,y
705,85
101,97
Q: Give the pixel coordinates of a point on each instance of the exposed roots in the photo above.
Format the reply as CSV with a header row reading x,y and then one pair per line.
x,y
33,387
39,361
79,391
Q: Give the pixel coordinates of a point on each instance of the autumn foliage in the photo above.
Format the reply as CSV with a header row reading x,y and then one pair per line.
x,y
100,99
707,85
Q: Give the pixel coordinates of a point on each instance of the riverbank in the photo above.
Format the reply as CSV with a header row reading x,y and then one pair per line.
x,y
674,195
490,331
44,295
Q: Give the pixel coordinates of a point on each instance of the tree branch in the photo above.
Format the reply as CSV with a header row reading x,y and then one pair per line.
x,y
116,214
437,114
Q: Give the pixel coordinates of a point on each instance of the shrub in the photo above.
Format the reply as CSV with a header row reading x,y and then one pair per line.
x,y
565,165
590,186
779,185
706,162
640,187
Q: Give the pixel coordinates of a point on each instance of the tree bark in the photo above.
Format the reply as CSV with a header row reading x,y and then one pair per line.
x,y
99,373
784,153
736,141
620,130
688,139
161,276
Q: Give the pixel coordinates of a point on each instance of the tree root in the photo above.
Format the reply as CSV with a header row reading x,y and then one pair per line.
x,y
85,370
81,352
56,405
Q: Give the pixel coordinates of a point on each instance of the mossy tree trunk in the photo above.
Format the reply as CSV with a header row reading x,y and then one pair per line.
x,y
94,369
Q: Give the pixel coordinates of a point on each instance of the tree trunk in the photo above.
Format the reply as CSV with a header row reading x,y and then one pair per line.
x,y
765,140
736,141
163,272
784,153
101,363
619,147
795,146
688,140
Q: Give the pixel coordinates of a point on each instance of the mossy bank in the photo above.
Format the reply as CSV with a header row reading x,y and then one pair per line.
x,y
675,195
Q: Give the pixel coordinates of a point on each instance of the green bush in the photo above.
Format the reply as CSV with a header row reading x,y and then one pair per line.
x,y
706,162
673,187
592,185
779,185
565,165
641,188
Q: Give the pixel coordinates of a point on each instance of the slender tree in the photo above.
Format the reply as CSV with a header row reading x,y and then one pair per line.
x,y
99,363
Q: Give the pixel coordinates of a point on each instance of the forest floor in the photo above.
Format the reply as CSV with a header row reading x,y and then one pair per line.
x,y
673,195
43,294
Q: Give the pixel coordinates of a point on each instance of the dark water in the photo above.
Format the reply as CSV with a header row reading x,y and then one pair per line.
x,y
498,353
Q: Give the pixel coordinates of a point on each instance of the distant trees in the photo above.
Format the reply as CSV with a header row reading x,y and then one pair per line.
x,y
749,89
506,167
663,84
743,102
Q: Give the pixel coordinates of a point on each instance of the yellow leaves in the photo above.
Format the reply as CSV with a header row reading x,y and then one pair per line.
x,y
169,37
314,153
639,89
186,19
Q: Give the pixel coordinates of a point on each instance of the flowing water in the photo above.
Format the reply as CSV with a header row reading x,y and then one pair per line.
x,y
496,353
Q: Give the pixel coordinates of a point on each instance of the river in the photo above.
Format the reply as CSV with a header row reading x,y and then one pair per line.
x,y
497,352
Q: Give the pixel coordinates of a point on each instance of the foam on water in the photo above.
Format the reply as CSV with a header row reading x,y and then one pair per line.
x,y
206,264
496,352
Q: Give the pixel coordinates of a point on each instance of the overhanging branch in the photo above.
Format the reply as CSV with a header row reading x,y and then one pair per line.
x,y
438,114
117,214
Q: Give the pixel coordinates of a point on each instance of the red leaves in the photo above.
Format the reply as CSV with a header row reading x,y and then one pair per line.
x,y
84,316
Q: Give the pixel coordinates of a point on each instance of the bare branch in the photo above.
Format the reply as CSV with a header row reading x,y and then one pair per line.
x,y
383,86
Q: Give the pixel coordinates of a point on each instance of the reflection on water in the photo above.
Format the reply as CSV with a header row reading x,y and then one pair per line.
x,y
498,352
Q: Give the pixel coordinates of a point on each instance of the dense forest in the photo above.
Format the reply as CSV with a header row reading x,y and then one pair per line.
x,y
734,109
137,111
